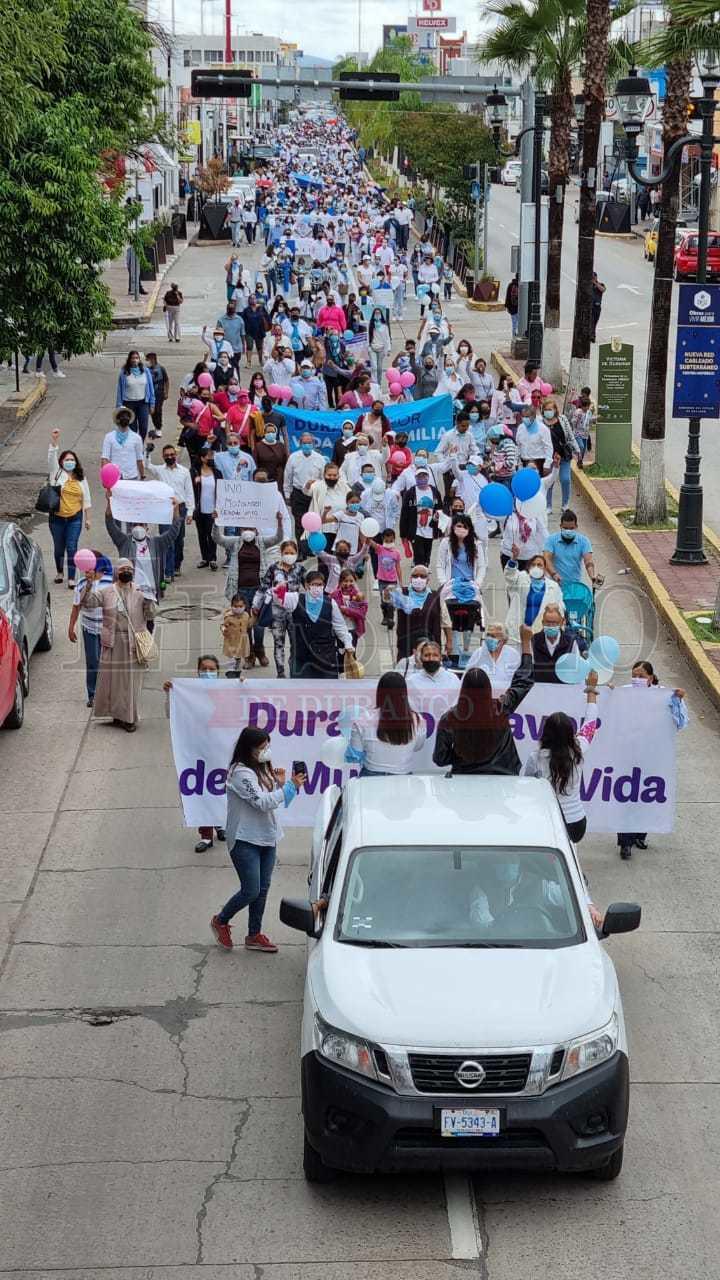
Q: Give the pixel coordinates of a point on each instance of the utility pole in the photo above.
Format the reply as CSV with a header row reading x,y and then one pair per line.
x,y
486,195
526,151
228,31
535,325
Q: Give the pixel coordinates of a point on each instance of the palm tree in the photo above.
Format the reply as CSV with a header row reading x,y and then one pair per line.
x,y
595,79
547,40
690,30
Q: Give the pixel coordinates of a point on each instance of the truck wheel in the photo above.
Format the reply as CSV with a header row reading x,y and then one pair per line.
x,y
609,1171
313,1167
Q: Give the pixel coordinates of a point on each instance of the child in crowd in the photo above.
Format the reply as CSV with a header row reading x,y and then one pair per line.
x,y
341,557
351,604
235,630
388,573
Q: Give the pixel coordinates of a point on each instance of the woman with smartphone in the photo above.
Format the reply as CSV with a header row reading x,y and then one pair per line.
x,y
255,792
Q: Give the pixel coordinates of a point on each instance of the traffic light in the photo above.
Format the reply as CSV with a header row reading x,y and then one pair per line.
x,y
233,83
370,95
693,109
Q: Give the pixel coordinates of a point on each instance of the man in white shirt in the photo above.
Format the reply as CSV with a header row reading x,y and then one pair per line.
x,y
458,444
534,440
428,272
304,466
385,254
234,463
403,217
178,477
235,220
361,459
431,676
309,391
365,272
124,447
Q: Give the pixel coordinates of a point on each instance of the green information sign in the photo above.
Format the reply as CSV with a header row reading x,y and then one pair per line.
x,y
614,404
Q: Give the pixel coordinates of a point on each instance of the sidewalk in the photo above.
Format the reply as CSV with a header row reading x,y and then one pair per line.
x,y
127,312
680,593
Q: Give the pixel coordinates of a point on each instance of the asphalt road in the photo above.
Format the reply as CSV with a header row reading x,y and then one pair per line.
x,y
149,1109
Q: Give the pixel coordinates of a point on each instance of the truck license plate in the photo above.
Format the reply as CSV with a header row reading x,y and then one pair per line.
x,y
469,1122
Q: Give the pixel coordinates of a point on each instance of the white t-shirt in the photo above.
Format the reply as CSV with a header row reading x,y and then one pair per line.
x,y
385,757
125,456
135,385
207,495
144,576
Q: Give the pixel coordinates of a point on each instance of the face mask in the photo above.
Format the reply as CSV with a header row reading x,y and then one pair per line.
x,y
233,450
208,675
232,393
170,461
474,417
288,557
139,532
306,373
134,364
491,644
422,482
640,682
536,572
418,584
388,544
263,755
428,364
342,555
125,575
532,426
362,450
270,437
551,632
315,591
121,436
568,535
353,507
306,449
548,414
347,433
367,478
248,535
331,481
238,609
431,665
69,464
224,362
472,470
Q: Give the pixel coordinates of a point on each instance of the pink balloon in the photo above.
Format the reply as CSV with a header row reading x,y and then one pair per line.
x,y
274,391
109,475
85,559
205,380
407,379
286,393
546,388
311,522
398,458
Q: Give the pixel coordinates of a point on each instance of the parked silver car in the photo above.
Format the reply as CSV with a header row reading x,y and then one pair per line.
x,y
24,594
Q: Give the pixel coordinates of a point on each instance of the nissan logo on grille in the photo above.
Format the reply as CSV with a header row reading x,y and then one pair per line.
x,y
470,1074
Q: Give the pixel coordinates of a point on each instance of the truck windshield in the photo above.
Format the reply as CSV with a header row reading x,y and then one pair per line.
x,y
458,897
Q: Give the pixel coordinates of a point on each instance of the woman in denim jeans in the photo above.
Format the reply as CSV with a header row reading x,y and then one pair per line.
x,y
254,792
66,473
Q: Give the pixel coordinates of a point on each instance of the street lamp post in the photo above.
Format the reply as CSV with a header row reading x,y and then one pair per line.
x,y
535,324
633,95
580,117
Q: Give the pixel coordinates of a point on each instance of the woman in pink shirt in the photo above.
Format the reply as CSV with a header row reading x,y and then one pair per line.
x,y
358,396
332,316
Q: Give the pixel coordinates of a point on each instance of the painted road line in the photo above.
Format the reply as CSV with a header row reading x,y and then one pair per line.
x,y
465,1239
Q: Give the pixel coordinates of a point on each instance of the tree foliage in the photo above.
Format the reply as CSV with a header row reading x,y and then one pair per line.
x,y
77,82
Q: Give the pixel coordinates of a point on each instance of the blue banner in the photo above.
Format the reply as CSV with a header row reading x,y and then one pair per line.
x,y
696,384
423,420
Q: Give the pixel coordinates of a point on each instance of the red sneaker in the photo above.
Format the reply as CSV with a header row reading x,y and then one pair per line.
x,y
259,942
222,933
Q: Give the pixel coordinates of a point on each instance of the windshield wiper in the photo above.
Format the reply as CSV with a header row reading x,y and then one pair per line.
x,y
370,942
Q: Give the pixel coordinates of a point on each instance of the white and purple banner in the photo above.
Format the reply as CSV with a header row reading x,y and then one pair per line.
x,y
629,780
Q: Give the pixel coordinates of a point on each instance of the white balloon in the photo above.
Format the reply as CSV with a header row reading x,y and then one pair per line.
x,y
369,527
604,674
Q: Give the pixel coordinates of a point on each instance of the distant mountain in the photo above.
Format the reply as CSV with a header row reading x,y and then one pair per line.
x,y
314,60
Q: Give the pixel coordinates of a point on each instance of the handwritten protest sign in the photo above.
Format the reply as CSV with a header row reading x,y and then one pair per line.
x,y
244,505
142,502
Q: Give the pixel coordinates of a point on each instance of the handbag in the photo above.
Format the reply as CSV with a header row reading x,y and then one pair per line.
x,y
146,650
48,499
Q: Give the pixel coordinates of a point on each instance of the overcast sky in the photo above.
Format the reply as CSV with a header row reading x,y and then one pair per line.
x,y
325,27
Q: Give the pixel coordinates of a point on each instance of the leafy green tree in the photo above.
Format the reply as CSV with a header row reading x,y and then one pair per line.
x,y
31,44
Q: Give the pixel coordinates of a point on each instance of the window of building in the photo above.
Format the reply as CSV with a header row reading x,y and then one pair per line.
x,y
192,57
214,55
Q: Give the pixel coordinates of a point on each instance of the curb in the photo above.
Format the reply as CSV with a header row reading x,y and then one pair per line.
x,y
17,407
484,306
127,321
692,649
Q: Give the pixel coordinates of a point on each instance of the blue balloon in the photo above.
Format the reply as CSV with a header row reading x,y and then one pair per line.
x,y
571,668
348,335
605,651
496,500
525,484
317,542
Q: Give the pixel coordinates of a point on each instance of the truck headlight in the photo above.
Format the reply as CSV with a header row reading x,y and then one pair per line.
x,y
345,1050
589,1051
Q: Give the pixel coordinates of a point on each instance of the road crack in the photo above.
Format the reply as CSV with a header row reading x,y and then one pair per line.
x,y
224,1174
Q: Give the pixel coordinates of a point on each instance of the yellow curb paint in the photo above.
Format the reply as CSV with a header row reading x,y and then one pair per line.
x,y
708,534
693,650
484,306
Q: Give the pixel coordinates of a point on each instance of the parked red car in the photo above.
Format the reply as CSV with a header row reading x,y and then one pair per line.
x,y
686,256
12,689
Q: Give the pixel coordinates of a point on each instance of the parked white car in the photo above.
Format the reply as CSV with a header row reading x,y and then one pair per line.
x,y
459,1010
511,170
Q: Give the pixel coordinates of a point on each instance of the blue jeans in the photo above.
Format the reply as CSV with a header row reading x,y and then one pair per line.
x,y
141,409
564,470
254,864
65,531
92,660
258,633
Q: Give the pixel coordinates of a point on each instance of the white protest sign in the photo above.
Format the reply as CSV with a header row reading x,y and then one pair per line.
x,y
142,502
628,772
348,531
244,505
